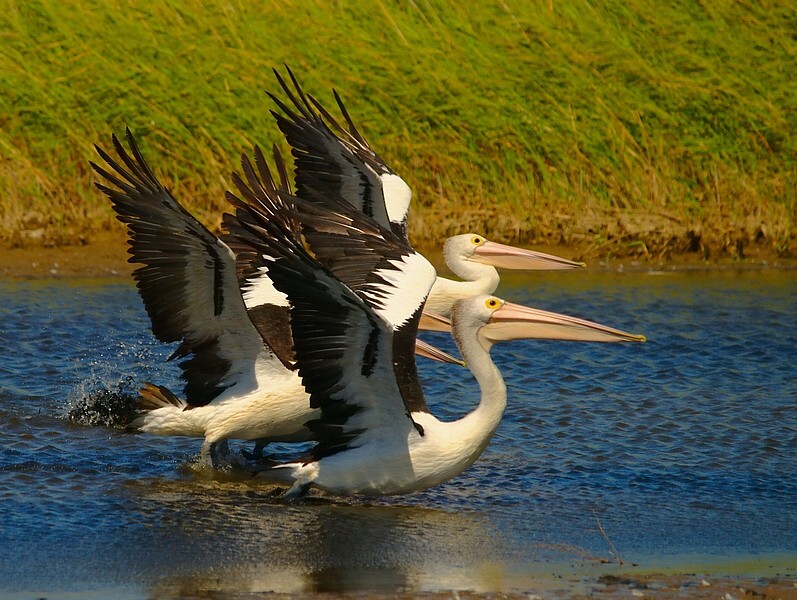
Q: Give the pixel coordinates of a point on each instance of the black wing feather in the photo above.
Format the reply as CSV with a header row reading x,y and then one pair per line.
x,y
333,330
183,263
344,167
347,243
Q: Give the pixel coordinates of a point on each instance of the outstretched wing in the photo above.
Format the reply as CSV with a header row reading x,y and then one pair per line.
x,y
187,282
381,268
343,347
266,306
337,161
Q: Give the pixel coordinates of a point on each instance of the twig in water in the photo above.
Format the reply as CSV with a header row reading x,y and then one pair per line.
x,y
612,549
572,549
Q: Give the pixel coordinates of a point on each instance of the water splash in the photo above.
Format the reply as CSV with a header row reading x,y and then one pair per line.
x,y
113,406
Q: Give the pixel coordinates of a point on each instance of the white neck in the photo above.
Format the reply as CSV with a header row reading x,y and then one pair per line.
x,y
470,270
479,279
478,427
476,279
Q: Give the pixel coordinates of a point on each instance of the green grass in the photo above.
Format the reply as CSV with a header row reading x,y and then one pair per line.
x,y
531,121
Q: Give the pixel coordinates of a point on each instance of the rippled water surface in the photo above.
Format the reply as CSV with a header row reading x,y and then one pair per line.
x,y
682,447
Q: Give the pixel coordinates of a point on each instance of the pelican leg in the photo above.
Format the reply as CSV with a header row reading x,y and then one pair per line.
x,y
261,466
297,490
216,455
257,452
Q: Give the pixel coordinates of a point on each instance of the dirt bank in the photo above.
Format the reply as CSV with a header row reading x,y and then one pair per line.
x,y
105,254
102,254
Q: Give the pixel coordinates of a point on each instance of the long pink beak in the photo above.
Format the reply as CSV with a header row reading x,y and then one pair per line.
x,y
509,257
516,322
431,321
429,351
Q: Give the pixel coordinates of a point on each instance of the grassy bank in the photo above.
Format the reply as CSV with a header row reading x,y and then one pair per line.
x,y
625,126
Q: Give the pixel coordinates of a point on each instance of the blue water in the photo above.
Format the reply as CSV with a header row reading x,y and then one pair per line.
x,y
683,446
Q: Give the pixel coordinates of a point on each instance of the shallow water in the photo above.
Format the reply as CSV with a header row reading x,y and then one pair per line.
x,y
683,450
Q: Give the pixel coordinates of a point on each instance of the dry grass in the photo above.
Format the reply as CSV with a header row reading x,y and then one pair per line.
x,y
625,127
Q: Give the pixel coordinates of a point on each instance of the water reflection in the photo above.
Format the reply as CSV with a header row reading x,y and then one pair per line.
x,y
237,536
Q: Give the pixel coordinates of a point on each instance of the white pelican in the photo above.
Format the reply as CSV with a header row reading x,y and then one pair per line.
x,y
382,269
240,382
374,438
335,161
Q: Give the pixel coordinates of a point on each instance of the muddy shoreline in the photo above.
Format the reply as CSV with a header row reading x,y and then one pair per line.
x,y
104,254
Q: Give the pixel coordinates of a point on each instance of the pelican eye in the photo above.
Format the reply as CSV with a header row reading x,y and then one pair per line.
x,y
492,303
477,240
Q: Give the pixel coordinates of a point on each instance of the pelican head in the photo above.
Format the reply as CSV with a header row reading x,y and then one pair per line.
x,y
497,321
475,248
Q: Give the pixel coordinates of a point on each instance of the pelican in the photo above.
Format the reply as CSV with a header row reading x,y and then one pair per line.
x,y
370,439
240,380
337,161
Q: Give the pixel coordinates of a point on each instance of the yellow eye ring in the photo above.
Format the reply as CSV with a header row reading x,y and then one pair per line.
x,y
492,303
476,240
